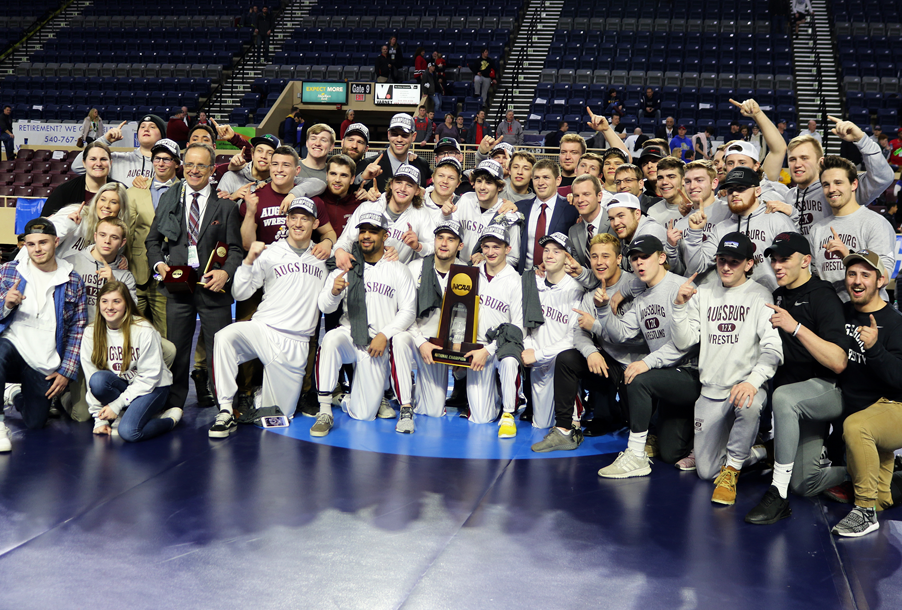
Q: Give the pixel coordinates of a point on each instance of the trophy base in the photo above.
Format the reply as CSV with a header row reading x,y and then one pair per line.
x,y
453,357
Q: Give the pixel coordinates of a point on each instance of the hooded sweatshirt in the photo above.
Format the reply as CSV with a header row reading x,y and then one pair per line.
x,y
125,166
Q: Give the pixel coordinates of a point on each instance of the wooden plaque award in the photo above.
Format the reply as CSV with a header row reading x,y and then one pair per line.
x,y
458,322
180,279
217,260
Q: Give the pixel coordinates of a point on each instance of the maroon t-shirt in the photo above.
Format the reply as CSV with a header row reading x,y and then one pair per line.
x,y
339,209
270,222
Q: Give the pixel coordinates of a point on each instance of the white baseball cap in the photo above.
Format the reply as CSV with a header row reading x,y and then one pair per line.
x,y
624,200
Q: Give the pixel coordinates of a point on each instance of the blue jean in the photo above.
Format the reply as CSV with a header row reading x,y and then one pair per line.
x,y
32,402
10,143
138,422
438,102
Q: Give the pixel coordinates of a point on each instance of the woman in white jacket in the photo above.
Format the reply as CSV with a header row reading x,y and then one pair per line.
x,y
122,359
92,127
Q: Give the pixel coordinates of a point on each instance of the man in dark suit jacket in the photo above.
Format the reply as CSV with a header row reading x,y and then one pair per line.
x,y
546,177
190,220
401,133
667,130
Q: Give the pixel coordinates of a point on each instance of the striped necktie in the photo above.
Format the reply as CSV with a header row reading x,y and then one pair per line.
x,y
193,220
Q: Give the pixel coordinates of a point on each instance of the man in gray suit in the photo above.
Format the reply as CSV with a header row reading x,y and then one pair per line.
x,y
190,220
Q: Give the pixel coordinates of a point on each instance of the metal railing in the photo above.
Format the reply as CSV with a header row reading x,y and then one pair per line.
x,y
822,103
35,34
532,27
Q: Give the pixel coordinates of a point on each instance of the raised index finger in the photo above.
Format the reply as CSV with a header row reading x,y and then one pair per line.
x,y
735,103
379,158
834,119
122,124
18,279
591,114
582,313
692,278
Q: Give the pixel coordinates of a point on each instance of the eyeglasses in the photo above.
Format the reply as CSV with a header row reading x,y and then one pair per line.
x,y
164,160
198,166
625,181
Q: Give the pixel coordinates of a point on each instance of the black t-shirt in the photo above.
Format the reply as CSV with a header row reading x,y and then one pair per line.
x,y
567,180
817,307
877,372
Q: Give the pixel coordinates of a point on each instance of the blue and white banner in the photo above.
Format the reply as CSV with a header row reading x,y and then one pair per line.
x,y
895,272
48,135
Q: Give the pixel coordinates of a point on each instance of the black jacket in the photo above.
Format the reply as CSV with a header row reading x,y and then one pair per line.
x,y
383,178
383,66
69,192
873,373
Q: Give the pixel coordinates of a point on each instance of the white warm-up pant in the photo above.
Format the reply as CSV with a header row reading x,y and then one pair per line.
x,y
284,359
542,378
432,379
370,374
482,395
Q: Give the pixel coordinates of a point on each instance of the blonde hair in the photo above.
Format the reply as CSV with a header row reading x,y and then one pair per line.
x,y
606,238
593,180
799,140
705,165
575,137
318,129
89,218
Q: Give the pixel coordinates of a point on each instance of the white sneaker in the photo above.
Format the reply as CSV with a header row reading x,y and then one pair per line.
x,y
10,392
175,414
5,444
627,465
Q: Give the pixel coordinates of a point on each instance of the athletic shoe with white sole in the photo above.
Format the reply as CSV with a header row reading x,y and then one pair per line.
x,y
385,410
508,427
173,413
725,486
223,426
322,425
5,444
687,463
627,465
10,392
857,523
405,421
556,440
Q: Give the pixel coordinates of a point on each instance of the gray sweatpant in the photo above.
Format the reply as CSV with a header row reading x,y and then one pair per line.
x,y
802,415
722,430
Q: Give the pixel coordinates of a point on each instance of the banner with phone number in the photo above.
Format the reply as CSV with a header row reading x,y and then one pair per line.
x,y
898,269
28,133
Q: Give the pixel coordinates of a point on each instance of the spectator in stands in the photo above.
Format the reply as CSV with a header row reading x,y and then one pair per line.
x,y
250,20
877,132
127,166
781,127
440,64
600,141
885,148
745,133
666,131
485,74
349,120
650,105
614,104
422,125
681,145
6,132
420,63
202,119
431,89
801,9
396,58
703,143
812,131
462,129
177,127
383,66
265,25
553,139
633,143
82,189
757,140
735,131
511,129
289,132
895,156
890,213
479,129
447,129
91,127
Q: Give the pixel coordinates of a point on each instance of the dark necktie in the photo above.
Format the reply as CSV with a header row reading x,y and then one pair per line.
x,y
193,220
540,233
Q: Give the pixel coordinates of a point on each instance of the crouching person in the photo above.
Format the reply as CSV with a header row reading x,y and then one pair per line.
x,y
122,358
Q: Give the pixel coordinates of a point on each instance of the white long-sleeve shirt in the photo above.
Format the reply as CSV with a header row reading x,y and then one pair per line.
x,y
500,302
290,284
390,298
425,327
145,372
421,220
556,334
737,341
